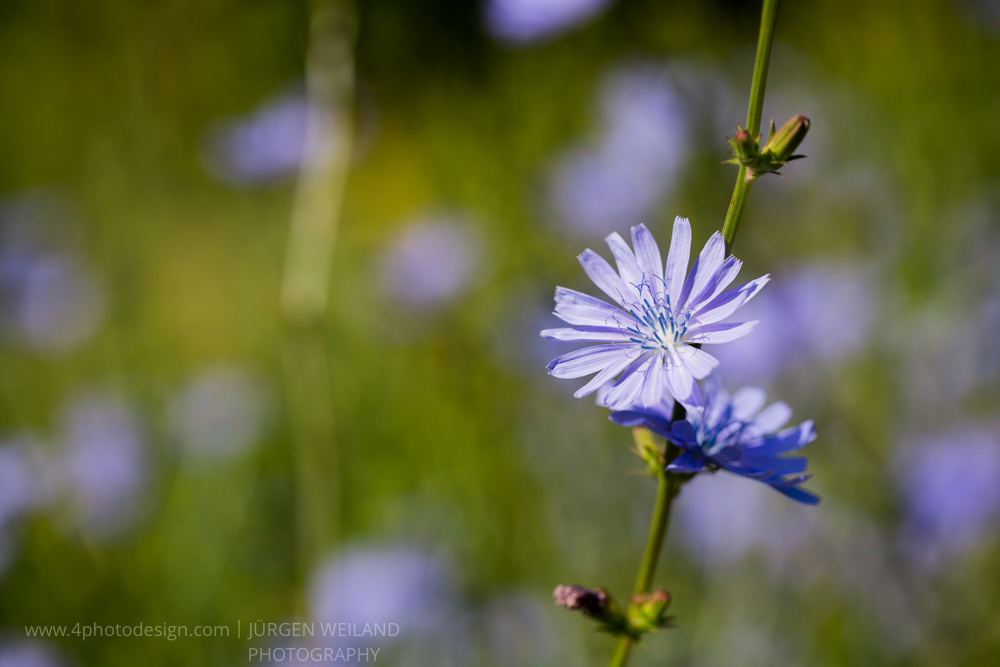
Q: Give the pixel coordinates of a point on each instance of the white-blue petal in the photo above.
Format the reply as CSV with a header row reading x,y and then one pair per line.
x,y
719,281
700,363
609,334
625,393
628,267
726,332
589,360
681,383
677,258
653,383
647,253
578,308
727,303
606,375
707,264
606,278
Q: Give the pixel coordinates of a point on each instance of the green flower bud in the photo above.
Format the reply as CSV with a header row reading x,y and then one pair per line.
x,y
745,148
649,448
649,612
780,146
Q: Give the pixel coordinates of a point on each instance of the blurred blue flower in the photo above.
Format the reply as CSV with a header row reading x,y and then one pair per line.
x,y
430,262
802,320
644,117
622,181
49,299
104,463
268,144
25,478
533,20
649,335
950,484
222,412
29,653
383,585
61,305
734,434
721,520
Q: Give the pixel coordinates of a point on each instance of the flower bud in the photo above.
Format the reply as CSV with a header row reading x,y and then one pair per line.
x,y
649,611
780,146
775,153
592,602
745,148
649,448
595,603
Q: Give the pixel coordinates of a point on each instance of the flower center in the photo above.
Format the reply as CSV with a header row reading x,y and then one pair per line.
x,y
656,326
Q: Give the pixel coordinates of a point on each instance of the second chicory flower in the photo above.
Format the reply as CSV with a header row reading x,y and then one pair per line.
x,y
733,433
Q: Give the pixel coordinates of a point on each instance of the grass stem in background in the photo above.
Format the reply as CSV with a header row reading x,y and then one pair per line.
x,y
304,290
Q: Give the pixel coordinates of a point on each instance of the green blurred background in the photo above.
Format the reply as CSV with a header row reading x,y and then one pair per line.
x,y
199,425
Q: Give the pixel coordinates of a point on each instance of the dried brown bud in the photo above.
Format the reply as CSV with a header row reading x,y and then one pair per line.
x,y
593,602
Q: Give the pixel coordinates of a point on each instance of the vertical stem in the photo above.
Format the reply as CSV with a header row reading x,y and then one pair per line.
x,y
669,484
667,487
312,235
665,491
741,191
622,651
768,16
326,157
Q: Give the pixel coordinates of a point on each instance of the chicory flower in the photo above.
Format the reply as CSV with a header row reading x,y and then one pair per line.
x,y
650,337
733,433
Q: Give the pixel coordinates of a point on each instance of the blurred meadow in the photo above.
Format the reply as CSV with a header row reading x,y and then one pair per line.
x,y
271,280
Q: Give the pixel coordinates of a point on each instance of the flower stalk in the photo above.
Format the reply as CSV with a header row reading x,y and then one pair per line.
x,y
744,179
668,484
667,487
651,339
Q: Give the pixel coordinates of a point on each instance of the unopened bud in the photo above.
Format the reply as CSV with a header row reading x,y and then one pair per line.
x,y
595,603
649,448
649,611
591,601
775,153
745,148
781,145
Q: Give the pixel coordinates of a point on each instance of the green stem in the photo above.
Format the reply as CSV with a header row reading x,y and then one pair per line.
x,y
665,492
622,652
667,487
668,484
742,189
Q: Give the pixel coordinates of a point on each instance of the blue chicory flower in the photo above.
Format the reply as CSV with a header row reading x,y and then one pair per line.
x,y
649,335
734,434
